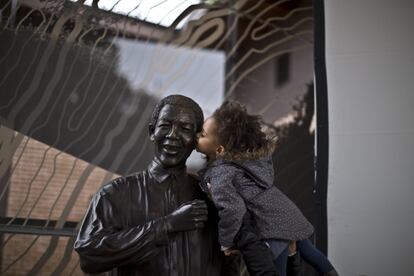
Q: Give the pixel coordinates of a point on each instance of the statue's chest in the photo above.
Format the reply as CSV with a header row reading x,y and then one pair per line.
x,y
164,198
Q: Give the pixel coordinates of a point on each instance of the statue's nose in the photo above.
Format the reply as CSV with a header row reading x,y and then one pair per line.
x,y
173,133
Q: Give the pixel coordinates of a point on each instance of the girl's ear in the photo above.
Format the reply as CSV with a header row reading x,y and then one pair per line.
x,y
220,150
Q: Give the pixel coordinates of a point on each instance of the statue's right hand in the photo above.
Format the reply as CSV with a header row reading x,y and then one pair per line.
x,y
189,216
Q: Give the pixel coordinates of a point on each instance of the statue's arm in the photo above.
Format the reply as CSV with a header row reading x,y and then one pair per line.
x,y
103,245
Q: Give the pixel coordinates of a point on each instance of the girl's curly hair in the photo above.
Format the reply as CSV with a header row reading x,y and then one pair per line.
x,y
238,131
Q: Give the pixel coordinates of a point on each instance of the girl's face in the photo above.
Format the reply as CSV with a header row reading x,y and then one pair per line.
x,y
207,142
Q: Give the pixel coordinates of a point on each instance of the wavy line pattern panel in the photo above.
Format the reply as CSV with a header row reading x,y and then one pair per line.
x,y
78,83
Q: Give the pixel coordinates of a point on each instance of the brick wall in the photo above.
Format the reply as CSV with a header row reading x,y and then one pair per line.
x,y
41,183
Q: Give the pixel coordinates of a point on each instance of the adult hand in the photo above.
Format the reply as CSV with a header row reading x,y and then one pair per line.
x,y
231,251
292,248
189,216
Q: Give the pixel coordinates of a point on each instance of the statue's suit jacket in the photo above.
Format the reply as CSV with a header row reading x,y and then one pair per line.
x,y
124,230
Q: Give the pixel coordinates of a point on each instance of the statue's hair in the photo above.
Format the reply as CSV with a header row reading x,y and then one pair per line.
x,y
181,101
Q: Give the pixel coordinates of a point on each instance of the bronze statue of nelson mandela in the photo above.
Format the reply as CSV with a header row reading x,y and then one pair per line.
x,y
158,221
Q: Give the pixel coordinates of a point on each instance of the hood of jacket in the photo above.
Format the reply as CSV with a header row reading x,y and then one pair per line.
x,y
258,164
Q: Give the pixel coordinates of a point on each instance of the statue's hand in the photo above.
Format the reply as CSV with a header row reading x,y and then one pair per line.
x,y
189,216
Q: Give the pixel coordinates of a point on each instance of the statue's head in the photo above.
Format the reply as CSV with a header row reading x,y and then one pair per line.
x,y
175,122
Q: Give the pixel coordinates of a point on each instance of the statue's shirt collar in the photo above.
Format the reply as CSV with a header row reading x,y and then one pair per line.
x,y
159,173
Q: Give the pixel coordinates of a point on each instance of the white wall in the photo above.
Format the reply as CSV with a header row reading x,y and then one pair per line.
x,y
164,70
370,74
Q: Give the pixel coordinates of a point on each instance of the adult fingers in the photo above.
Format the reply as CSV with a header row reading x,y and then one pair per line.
x,y
200,218
199,204
200,211
234,252
198,201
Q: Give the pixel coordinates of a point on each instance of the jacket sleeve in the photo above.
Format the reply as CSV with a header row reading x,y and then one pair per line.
x,y
102,244
230,205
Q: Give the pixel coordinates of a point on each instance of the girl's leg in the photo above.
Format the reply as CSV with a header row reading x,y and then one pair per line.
x,y
258,259
279,250
313,256
281,262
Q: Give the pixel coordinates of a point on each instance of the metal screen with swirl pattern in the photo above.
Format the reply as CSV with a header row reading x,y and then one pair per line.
x,y
79,80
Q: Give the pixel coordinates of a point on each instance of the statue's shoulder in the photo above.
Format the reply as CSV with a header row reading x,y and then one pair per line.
x,y
121,184
193,177
112,187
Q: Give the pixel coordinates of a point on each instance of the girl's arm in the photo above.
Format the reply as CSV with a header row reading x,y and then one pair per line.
x,y
230,205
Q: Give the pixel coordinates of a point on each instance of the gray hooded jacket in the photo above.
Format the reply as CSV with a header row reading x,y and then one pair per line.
x,y
248,185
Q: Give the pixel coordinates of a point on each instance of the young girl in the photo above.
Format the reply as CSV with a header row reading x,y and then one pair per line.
x,y
239,177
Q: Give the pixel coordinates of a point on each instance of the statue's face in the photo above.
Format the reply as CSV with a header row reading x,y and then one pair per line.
x,y
174,135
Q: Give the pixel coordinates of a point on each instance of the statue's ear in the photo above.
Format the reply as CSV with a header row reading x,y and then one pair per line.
x,y
151,129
